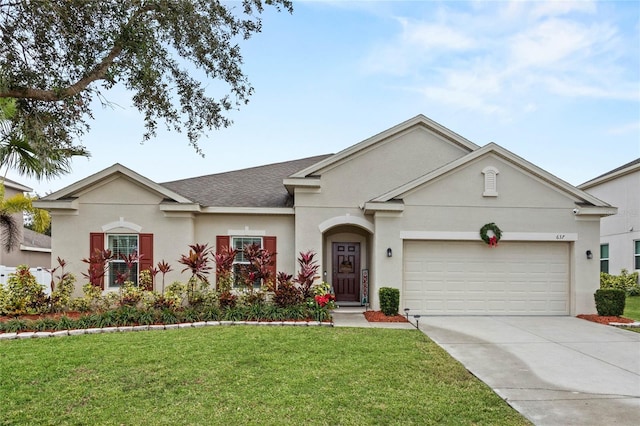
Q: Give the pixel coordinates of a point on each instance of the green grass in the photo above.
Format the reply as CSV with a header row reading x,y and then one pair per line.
x,y
243,375
632,308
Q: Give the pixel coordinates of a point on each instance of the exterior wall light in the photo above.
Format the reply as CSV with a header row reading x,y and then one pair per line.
x,y
389,252
589,254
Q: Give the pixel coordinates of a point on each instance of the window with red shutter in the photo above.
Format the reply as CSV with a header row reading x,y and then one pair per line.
x,y
123,245
268,243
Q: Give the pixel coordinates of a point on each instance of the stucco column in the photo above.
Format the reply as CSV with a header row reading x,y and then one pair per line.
x,y
586,272
385,271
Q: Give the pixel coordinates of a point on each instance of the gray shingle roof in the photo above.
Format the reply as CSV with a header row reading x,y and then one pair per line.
x,y
610,172
260,186
34,239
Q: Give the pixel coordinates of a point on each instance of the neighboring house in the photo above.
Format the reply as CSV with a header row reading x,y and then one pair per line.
x,y
401,209
619,234
34,249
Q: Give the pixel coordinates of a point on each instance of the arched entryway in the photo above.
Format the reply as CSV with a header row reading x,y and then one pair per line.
x,y
346,260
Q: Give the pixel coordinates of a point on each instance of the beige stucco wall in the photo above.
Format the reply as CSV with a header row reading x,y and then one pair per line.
x,y
121,205
454,203
383,167
108,204
34,259
451,203
208,226
622,229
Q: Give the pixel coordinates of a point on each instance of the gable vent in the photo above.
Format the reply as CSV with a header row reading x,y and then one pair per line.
x,y
490,181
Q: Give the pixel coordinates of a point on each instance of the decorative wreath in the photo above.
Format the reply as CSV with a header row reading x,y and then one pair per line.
x,y
497,234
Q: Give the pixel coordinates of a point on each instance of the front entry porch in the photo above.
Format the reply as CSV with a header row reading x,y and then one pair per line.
x,y
346,265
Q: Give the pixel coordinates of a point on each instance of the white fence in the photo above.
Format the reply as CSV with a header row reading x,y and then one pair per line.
x,y
43,277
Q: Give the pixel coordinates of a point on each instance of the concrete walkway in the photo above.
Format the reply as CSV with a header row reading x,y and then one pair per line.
x,y
553,370
354,317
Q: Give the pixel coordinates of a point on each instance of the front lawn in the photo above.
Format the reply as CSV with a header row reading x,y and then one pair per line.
x,y
632,308
243,375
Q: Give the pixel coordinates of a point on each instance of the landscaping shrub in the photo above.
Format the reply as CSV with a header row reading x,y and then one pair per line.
x,y
610,302
307,273
60,298
323,302
227,300
625,281
287,293
23,294
130,294
134,304
389,300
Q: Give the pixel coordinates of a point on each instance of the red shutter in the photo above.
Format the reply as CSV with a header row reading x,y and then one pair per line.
x,y
146,251
222,241
96,242
270,246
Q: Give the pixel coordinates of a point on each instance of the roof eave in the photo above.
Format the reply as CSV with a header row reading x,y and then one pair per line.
x,y
62,204
180,207
110,171
599,211
308,182
372,207
609,176
283,211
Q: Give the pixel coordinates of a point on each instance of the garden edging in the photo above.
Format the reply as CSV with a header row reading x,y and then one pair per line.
x,y
81,331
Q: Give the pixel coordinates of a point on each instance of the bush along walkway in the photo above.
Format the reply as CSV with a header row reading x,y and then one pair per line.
x,y
81,331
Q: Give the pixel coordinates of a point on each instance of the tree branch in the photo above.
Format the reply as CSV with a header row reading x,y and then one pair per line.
x,y
98,73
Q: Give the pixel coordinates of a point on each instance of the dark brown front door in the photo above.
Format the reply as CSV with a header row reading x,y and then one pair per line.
x,y
346,271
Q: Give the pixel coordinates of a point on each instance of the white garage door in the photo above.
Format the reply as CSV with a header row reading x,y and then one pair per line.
x,y
470,278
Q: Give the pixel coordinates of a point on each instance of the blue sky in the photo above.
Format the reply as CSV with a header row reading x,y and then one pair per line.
x,y
555,82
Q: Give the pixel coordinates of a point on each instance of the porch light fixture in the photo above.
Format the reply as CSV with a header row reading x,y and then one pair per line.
x,y
389,252
406,312
589,254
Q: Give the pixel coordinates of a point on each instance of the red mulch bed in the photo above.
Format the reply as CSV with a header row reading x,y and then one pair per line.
x,y
71,314
604,320
378,316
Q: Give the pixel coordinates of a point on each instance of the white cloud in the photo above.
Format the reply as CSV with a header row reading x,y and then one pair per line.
x,y
552,42
567,86
425,36
489,56
562,7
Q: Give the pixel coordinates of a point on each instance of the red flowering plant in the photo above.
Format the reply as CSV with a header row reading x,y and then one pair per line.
x,y
323,302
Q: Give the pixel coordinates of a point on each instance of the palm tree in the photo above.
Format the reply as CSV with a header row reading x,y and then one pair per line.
x,y
10,226
17,153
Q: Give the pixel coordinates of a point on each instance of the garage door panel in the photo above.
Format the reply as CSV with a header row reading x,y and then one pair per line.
x,y
514,278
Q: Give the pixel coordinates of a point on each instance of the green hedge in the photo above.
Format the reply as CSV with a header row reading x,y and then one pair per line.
x,y
610,302
389,300
625,281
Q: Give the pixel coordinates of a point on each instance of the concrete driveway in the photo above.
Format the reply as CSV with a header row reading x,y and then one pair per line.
x,y
553,370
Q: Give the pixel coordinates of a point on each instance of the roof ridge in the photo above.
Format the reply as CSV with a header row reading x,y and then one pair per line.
x,y
262,166
610,172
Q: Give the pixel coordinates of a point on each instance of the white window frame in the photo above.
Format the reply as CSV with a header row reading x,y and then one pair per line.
x,y
111,276
240,247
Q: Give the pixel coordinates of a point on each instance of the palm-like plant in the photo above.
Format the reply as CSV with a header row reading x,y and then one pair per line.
x,y
16,152
10,225
163,267
28,157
